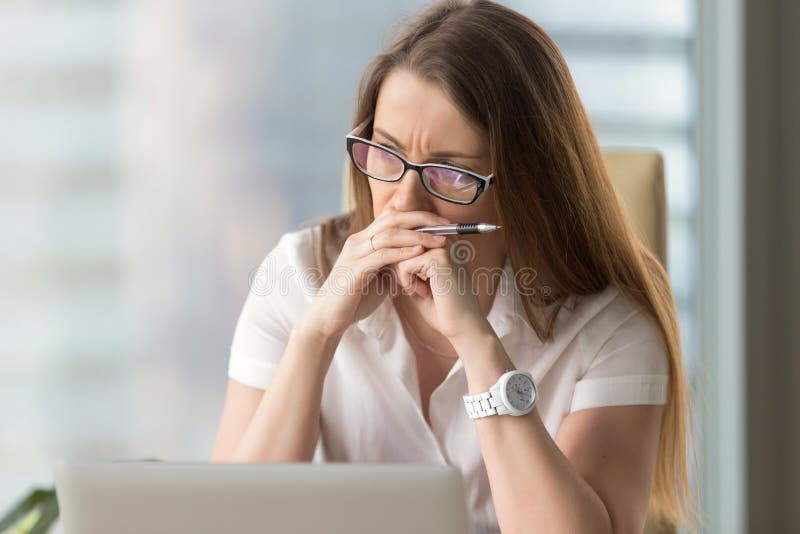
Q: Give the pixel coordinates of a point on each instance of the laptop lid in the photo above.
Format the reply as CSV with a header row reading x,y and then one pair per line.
x,y
299,498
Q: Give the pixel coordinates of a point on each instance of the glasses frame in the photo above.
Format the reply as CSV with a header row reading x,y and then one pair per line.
x,y
483,181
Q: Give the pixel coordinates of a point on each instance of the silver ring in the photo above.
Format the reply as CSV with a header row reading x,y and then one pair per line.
x,y
371,246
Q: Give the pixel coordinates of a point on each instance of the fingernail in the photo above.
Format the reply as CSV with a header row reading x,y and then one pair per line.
x,y
439,238
442,220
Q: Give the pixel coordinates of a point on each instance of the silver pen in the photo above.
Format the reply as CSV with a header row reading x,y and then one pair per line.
x,y
459,228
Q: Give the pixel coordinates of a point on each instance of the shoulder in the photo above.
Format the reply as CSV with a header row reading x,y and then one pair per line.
x,y
293,256
610,323
286,279
302,257
624,335
295,248
609,311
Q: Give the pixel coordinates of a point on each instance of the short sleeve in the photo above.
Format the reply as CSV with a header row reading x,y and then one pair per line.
x,y
265,322
631,367
276,296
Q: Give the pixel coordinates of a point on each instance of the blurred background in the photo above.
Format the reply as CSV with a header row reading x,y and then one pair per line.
x,y
152,152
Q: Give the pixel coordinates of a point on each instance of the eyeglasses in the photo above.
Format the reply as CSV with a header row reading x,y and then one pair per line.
x,y
442,181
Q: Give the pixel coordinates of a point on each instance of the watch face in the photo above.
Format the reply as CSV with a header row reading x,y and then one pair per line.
x,y
520,391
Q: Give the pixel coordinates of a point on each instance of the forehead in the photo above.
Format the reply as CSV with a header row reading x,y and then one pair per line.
x,y
415,110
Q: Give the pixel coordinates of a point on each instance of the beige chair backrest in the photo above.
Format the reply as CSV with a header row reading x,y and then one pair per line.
x,y
638,177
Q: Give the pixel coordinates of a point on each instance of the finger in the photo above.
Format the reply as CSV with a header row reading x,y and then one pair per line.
x,y
386,256
432,266
404,279
391,218
401,237
405,219
413,271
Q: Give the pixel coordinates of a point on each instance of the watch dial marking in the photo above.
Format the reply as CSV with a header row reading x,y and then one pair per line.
x,y
519,392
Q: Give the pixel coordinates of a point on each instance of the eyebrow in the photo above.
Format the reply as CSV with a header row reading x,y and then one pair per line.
x,y
399,145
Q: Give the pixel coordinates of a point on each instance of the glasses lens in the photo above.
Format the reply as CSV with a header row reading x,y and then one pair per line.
x,y
377,162
455,185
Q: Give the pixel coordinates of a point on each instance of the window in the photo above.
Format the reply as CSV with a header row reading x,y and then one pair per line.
x,y
151,153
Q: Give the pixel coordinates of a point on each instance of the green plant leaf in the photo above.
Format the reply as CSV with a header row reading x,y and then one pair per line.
x,y
35,512
49,514
21,509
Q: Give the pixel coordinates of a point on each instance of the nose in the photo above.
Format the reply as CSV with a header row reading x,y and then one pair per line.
x,y
410,194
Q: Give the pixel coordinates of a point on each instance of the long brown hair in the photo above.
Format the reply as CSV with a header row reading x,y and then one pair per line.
x,y
553,194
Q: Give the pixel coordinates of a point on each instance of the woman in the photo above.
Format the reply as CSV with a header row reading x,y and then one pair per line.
x,y
405,324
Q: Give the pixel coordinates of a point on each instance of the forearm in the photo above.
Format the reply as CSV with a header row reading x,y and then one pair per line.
x,y
533,484
286,425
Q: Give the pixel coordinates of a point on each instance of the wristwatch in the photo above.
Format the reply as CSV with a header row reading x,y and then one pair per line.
x,y
514,393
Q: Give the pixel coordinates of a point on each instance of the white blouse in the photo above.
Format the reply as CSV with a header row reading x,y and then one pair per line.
x,y
605,352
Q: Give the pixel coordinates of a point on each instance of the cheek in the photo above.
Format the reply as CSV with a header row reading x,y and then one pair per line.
x,y
483,208
476,212
381,194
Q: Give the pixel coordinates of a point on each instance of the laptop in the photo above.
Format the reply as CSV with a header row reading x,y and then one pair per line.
x,y
287,498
